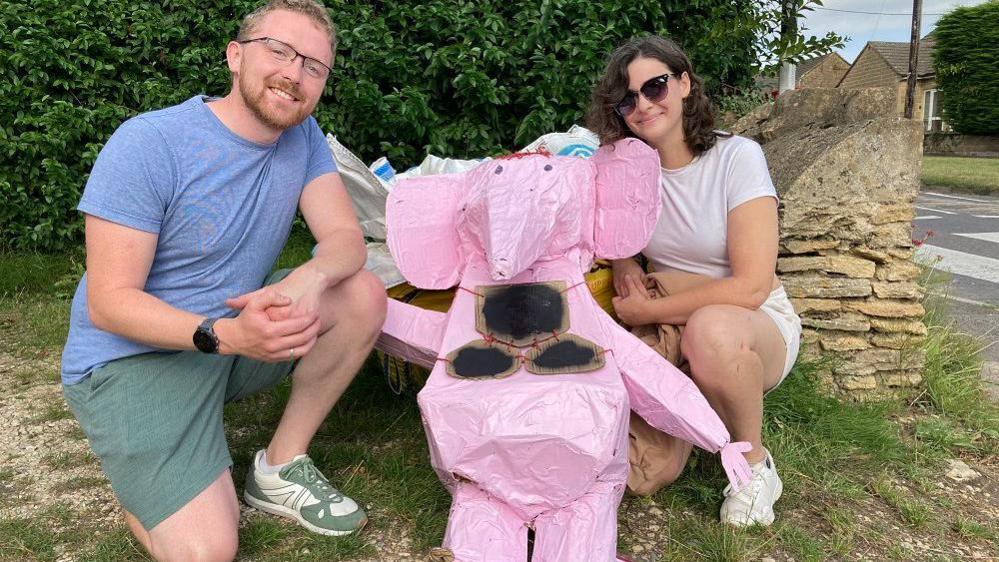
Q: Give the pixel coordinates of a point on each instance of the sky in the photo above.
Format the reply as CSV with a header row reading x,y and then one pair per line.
x,y
861,28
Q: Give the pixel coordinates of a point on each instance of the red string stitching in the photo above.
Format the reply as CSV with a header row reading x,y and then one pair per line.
x,y
467,290
567,289
542,151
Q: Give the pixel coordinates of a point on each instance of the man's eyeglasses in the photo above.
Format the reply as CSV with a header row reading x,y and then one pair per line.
x,y
287,54
654,89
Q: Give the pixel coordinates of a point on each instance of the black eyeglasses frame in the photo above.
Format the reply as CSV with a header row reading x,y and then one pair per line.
x,y
305,59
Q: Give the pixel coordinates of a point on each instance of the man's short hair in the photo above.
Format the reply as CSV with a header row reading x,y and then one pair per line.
x,y
311,8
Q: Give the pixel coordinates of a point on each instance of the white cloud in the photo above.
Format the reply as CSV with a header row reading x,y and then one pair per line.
x,y
861,28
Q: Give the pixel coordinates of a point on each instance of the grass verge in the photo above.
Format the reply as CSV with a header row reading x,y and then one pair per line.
x,y
861,480
971,175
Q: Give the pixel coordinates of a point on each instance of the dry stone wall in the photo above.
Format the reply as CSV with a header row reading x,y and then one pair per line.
x,y
847,172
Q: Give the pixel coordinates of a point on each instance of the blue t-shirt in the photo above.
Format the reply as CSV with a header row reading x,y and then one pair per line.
x,y
222,207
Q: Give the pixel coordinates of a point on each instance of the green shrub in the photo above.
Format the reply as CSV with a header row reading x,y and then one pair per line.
x,y
966,59
454,78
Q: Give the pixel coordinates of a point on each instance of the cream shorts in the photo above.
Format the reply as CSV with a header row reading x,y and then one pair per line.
x,y
778,308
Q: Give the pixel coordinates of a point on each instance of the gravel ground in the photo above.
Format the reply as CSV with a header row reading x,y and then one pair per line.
x,y
48,463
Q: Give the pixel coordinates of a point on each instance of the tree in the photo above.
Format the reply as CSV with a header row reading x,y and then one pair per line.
x,y
966,59
450,77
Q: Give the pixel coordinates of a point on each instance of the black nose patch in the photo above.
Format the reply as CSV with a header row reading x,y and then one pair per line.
x,y
522,314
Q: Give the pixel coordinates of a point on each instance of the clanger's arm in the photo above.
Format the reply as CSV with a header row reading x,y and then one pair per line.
x,y
412,333
669,401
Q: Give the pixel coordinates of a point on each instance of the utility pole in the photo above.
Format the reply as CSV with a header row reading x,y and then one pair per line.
x,y
788,31
910,87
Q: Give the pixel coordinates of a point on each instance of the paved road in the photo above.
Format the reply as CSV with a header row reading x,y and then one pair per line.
x,y
961,234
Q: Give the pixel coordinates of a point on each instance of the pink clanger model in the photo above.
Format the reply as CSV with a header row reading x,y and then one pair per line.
x,y
527,404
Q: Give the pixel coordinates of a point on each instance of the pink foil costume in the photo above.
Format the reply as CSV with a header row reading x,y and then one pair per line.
x,y
546,451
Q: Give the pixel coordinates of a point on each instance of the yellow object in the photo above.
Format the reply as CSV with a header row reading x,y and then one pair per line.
x,y
402,375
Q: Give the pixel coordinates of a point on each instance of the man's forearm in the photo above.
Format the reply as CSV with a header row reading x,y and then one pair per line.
x,y
137,315
338,256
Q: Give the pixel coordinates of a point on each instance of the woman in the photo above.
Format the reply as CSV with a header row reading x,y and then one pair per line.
x,y
717,239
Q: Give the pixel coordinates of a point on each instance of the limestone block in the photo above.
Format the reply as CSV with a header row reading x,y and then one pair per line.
x,y
887,359
897,270
826,382
803,306
847,369
899,290
835,181
843,341
809,246
877,256
859,382
810,352
893,325
857,268
902,253
818,106
901,379
899,213
809,336
886,308
817,286
896,340
847,322
890,235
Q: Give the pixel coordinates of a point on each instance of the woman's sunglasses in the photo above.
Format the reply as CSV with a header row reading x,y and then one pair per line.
x,y
654,89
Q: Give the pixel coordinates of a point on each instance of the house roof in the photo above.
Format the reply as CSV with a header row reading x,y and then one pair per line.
x,y
805,66
897,55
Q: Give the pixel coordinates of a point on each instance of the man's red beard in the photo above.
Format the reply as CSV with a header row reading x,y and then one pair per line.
x,y
266,113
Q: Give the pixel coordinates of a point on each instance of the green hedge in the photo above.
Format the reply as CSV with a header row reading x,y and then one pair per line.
x,y
454,78
966,58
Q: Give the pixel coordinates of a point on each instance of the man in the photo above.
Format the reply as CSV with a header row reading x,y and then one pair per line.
x,y
186,211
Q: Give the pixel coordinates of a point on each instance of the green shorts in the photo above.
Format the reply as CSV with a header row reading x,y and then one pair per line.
x,y
155,421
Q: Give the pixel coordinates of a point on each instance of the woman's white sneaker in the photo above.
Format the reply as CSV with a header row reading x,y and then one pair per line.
x,y
754,503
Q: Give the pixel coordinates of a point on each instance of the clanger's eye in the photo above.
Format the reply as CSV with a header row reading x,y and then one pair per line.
x,y
499,170
548,167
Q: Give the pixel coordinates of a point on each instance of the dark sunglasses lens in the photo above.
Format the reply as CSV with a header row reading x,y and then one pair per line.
x,y
626,105
655,89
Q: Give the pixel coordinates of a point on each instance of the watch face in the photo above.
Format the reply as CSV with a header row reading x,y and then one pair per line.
x,y
204,341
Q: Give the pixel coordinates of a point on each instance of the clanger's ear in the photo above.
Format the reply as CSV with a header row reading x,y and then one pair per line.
x,y
628,199
421,217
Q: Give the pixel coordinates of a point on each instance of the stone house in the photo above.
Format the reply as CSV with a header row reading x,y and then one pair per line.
x,y
884,64
821,72
824,71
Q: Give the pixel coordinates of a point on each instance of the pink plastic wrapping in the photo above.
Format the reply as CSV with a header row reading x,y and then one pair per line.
x,y
547,451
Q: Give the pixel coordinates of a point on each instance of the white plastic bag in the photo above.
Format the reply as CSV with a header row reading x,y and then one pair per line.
x,y
577,141
367,192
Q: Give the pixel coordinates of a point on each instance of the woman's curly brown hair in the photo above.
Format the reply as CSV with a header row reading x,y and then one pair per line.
x,y
698,118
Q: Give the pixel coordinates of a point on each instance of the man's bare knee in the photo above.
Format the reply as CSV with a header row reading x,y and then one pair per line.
x,y
198,547
359,300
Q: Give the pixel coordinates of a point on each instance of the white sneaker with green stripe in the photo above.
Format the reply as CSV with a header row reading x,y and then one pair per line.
x,y
299,491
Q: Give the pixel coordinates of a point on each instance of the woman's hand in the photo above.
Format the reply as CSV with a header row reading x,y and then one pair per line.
x,y
635,309
622,269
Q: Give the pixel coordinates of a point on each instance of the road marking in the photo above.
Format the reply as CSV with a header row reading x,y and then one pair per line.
x,y
926,217
987,236
986,216
966,301
961,263
935,210
956,197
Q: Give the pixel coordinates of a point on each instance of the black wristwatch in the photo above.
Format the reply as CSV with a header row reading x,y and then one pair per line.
x,y
204,337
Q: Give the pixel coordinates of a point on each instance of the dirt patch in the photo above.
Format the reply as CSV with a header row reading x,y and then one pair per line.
x,y
46,462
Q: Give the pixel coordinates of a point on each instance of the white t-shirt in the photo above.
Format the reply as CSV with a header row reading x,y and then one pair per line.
x,y
692,231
